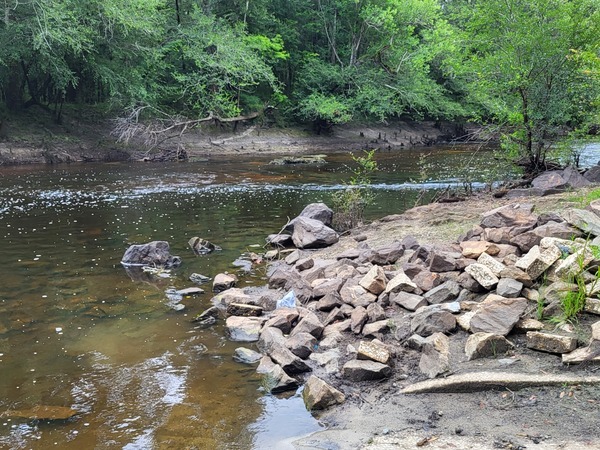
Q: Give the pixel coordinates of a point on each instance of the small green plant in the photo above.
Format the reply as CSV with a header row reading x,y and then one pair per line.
x,y
349,204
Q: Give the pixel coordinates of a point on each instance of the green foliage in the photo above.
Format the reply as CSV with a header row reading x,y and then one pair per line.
x,y
349,204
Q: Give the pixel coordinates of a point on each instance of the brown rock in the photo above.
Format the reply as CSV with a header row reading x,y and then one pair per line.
x,y
551,343
301,344
435,358
317,394
375,312
498,315
408,301
374,352
427,321
283,319
509,216
359,317
483,345
374,281
376,328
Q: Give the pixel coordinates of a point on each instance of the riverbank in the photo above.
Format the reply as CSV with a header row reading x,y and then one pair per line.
x,y
34,139
378,415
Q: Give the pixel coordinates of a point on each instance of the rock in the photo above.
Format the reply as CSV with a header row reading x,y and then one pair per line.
x,y
224,281
244,329
498,315
468,282
514,215
289,362
329,359
246,356
473,249
351,253
360,370
314,211
301,344
593,174
375,312
276,379
356,295
310,233
483,345
411,269
464,320
427,321
573,264
242,309
529,325
549,180
317,394
551,343
374,281
199,278
517,274
359,317
483,275
329,302
590,354
509,288
586,221
43,412
280,240
374,352
574,179
592,305
269,338
596,331
387,255
376,328
409,242
293,257
400,282
488,261
154,254
435,358
445,292
440,261
201,246
538,260
327,286
426,280
310,324
212,312
189,292
305,264
408,301
283,319
501,236
527,240
335,315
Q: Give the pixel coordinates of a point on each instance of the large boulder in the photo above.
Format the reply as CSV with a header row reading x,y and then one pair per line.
x,y
514,215
244,329
586,221
155,254
315,211
310,233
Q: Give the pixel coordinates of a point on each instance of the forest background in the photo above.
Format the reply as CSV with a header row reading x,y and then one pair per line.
x,y
530,68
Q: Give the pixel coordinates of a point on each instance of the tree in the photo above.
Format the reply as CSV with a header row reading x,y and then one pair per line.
x,y
527,70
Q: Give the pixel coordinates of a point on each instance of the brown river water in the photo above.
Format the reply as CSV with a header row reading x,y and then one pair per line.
x,y
76,331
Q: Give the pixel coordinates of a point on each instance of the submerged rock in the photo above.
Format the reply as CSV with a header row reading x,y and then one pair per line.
x,y
201,246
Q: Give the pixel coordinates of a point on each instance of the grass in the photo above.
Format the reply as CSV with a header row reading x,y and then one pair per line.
x,y
585,197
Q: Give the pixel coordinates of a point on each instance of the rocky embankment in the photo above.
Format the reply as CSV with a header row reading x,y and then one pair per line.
x,y
383,313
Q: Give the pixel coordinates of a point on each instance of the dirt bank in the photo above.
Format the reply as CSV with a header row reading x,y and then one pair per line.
x,y
377,416
32,138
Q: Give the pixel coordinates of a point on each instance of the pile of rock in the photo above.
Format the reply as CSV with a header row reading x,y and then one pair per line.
x,y
359,314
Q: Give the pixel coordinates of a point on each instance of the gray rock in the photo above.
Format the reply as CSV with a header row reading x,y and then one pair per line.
x,y
426,281
279,240
199,278
329,302
483,345
373,351
269,338
412,302
509,288
276,380
440,261
400,282
289,362
201,246
586,221
435,358
551,343
538,260
376,328
360,370
154,254
310,233
588,355
329,359
326,286
246,356
301,344
316,211
387,255
549,180
244,329
375,312
510,216
359,317
310,324
374,281
427,321
317,394
574,178
356,295
189,292
491,263
304,264
498,315
593,174
224,281
445,292
283,319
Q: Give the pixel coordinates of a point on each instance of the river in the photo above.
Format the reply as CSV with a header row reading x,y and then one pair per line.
x,y
77,331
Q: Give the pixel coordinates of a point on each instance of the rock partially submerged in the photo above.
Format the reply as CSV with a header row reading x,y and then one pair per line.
x,y
153,254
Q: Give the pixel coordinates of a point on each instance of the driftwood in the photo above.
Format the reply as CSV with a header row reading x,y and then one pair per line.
x,y
167,126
